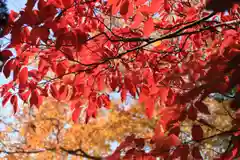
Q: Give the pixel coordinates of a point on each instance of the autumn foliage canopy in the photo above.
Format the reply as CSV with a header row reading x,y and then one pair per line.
x,y
170,55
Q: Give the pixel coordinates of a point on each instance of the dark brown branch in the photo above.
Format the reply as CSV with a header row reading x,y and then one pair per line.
x,y
76,152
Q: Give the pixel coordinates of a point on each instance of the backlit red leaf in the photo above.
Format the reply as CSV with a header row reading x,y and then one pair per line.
x,y
25,95
124,7
149,105
106,100
63,92
23,75
7,68
123,94
76,113
67,3
167,6
14,102
155,5
54,91
35,98
163,93
137,20
130,86
6,97
60,69
148,27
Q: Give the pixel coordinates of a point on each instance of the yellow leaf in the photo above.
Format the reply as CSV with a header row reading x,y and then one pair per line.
x,y
22,131
11,157
155,44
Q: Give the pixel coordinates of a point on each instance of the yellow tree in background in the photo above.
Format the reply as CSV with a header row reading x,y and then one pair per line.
x,y
49,133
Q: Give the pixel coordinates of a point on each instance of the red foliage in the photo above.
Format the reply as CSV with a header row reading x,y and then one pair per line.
x,y
85,56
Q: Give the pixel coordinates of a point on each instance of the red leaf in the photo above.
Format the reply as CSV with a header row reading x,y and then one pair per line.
x,y
68,54
16,35
54,91
163,93
172,140
181,152
106,100
6,98
63,92
139,143
174,130
16,73
30,4
34,99
124,7
42,64
155,5
149,105
67,3
202,108
60,69
148,27
24,96
39,32
7,68
123,94
76,113
5,55
231,154
137,20
101,83
12,16
192,113
81,38
114,82
197,132
91,110
14,102
41,4
196,153
23,75
59,42
167,6
130,86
